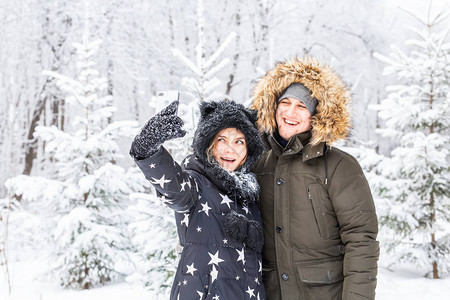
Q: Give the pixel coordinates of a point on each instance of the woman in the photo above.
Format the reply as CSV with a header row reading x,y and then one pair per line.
x,y
214,196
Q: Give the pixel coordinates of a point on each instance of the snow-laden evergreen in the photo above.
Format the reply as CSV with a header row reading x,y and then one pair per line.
x,y
203,83
155,236
414,198
154,231
85,193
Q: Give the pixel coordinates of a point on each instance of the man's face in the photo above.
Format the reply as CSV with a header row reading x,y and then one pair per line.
x,y
292,118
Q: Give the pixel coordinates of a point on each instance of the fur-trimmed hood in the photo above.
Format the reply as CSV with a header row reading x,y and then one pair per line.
x,y
332,119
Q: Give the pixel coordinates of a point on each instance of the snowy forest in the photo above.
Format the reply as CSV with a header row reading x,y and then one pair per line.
x,y
78,79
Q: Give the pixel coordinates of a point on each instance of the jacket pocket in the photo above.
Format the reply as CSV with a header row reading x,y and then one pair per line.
x,y
319,212
354,296
320,273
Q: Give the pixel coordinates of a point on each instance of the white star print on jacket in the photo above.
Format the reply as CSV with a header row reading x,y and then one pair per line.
x,y
160,181
226,200
211,266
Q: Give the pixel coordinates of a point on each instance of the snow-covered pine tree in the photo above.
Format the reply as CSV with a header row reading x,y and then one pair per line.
x,y
87,192
203,83
417,117
155,237
159,243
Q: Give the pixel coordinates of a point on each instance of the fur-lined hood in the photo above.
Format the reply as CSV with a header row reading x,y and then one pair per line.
x,y
332,119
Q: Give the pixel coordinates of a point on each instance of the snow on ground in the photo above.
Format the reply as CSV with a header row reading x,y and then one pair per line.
x,y
25,286
403,283
408,285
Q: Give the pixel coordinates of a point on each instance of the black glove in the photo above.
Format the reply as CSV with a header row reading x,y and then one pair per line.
x,y
163,126
239,228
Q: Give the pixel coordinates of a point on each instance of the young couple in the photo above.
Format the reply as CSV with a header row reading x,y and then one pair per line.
x,y
265,208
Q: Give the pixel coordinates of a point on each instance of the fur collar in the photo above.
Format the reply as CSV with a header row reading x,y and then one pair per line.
x,y
238,185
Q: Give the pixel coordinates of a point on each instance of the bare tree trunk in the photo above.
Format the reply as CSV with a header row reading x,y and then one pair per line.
x,y
43,96
31,144
4,245
110,73
435,265
201,43
187,40
236,56
433,237
55,112
136,103
110,89
63,112
432,204
261,32
171,24
172,30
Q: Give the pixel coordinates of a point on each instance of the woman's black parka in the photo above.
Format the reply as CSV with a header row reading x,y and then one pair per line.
x,y
214,263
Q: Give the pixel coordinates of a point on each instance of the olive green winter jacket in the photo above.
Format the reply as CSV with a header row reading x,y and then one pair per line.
x,y
319,218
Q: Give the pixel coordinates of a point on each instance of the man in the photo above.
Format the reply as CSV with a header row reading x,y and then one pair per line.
x,y
319,218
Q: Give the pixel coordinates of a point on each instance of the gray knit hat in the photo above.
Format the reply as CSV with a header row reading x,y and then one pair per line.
x,y
300,92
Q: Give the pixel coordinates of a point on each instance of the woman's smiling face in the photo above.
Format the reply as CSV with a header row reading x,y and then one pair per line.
x,y
230,148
